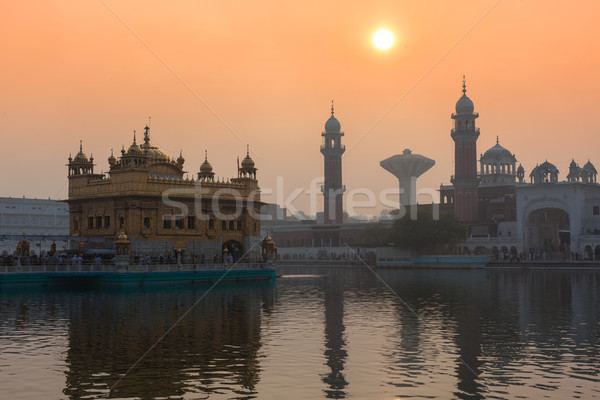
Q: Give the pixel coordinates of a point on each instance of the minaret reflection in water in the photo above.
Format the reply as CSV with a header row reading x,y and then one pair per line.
x,y
335,343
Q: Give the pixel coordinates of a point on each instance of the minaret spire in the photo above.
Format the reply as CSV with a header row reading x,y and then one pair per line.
x,y
332,108
497,139
81,146
464,85
205,155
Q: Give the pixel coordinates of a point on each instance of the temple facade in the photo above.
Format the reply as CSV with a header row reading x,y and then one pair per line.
x,y
145,194
544,218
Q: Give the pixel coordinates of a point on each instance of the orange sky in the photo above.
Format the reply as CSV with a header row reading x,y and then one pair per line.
x,y
73,70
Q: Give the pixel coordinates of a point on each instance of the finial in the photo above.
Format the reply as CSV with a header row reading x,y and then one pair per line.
x,y
81,146
111,153
497,139
134,136
205,155
247,150
332,108
464,85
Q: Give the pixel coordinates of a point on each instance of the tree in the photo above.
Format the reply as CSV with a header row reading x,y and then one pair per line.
x,y
425,234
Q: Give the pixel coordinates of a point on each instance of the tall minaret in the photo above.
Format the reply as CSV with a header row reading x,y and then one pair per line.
x,y
333,190
465,179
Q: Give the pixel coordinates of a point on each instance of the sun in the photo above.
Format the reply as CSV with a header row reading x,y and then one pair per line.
x,y
383,39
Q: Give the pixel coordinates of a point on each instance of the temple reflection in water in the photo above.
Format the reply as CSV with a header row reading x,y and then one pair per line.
x,y
215,344
472,334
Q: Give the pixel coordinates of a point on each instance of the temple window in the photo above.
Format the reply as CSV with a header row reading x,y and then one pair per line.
x,y
231,225
167,222
239,225
98,222
211,224
224,225
179,223
191,222
146,223
90,223
107,222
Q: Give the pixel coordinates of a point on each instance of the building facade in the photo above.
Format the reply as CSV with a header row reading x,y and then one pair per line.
x,y
41,222
545,218
146,195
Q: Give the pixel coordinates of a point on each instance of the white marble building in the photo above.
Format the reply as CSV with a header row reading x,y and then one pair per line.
x,y
39,221
554,219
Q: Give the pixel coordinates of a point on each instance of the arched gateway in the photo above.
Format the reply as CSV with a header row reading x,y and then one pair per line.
x,y
548,231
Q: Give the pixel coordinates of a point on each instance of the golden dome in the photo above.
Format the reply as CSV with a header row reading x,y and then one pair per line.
x,y
112,160
153,152
134,148
122,237
206,167
81,157
268,240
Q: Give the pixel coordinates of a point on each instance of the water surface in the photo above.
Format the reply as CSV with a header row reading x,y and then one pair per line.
x,y
314,333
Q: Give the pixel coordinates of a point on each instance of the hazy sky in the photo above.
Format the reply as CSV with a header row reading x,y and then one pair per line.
x,y
217,75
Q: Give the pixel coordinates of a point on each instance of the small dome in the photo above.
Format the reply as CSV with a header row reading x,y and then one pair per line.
x,y
247,162
498,153
520,169
112,160
332,124
589,167
122,237
81,157
548,166
464,105
206,167
180,159
268,240
573,164
134,148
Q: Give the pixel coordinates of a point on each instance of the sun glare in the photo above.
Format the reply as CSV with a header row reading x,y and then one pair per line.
x,y
383,39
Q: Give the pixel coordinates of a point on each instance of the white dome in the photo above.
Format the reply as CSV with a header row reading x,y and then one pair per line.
x,y
498,154
464,106
332,125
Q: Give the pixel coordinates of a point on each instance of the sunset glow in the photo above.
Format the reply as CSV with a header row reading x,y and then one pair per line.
x,y
383,39
216,78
